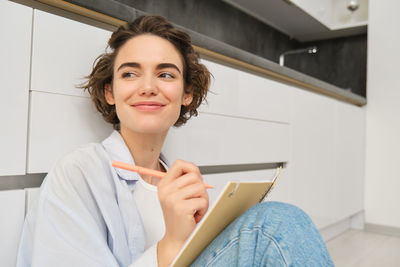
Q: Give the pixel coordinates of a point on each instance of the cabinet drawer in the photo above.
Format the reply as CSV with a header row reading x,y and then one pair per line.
x,y
219,180
59,124
63,53
220,140
15,49
12,210
242,94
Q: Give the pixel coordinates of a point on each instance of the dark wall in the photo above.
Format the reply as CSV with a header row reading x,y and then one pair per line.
x,y
340,61
220,21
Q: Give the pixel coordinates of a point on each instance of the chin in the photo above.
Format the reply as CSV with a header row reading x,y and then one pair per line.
x,y
151,128
149,124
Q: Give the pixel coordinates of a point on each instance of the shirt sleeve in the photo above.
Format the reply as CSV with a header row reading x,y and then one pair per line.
x,y
77,221
148,258
68,227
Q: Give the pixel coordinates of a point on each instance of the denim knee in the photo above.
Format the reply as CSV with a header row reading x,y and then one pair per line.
x,y
269,232
277,213
275,207
293,230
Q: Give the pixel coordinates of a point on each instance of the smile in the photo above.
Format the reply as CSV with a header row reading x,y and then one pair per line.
x,y
148,106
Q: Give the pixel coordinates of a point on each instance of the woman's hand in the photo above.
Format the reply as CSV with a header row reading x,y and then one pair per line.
x,y
184,201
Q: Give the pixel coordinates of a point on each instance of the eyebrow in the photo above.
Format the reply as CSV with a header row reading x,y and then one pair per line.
x,y
129,64
159,66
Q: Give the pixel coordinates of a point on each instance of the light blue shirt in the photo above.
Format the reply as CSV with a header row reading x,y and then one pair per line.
x,y
86,214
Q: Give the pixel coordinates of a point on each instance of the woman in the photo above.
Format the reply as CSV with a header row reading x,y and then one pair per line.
x,y
91,214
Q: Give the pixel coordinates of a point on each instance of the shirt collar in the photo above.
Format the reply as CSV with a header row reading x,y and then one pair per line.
x,y
117,150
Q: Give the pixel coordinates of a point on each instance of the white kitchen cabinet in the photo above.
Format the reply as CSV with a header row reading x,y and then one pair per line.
x,y
343,18
15,47
312,166
263,99
334,14
241,94
63,53
222,97
12,211
32,197
327,165
219,181
219,140
320,10
59,124
349,160
281,190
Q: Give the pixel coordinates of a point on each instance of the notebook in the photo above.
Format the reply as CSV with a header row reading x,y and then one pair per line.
x,y
234,200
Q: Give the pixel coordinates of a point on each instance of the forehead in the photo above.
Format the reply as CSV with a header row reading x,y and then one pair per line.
x,y
148,49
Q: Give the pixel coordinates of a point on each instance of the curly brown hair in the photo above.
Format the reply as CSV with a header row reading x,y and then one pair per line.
x,y
195,75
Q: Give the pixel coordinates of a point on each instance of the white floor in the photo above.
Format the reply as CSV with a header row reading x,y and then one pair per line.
x,y
355,248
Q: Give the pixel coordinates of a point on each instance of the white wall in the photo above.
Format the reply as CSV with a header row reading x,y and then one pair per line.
x,y
382,195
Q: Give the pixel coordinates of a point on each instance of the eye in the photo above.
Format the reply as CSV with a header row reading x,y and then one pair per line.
x,y
129,75
166,75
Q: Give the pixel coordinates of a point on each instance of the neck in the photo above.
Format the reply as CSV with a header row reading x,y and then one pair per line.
x,y
145,150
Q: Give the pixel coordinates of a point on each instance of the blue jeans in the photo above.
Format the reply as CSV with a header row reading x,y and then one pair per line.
x,y
268,234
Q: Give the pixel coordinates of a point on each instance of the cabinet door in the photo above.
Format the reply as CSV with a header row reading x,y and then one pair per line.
x,y
15,50
59,124
312,166
349,159
32,196
12,210
222,140
219,180
242,94
63,53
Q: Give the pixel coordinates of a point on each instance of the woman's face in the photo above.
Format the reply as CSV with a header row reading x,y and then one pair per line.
x,y
148,85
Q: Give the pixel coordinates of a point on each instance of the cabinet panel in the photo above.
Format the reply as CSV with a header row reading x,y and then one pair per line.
x,y
219,140
32,197
262,98
12,210
59,124
223,95
15,49
279,192
349,159
312,166
63,53
242,94
219,181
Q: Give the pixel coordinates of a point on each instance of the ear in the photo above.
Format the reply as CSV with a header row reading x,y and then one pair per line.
x,y
108,94
187,99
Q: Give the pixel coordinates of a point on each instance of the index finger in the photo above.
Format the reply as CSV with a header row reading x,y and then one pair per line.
x,y
180,168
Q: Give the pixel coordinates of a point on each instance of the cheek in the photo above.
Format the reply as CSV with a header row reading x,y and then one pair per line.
x,y
121,91
174,92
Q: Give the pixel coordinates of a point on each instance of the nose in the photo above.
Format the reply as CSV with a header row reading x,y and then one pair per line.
x,y
148,86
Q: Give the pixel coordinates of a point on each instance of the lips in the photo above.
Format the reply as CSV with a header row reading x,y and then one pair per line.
x,y
148,105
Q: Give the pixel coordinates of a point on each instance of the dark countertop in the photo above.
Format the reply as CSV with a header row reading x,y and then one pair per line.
x,y
227,53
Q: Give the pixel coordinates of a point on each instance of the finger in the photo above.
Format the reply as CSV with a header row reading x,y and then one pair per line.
x,y
187,179
196,206
180,168
171,187
192,191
